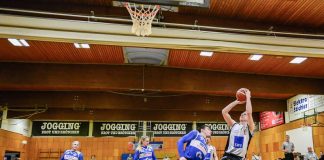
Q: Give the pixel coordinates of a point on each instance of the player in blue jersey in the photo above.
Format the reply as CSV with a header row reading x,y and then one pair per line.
x,y
241,133
143,150
73,154
196,146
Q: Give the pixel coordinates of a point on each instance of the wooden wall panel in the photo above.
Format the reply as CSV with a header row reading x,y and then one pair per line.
x,y
267,142
107,148
318,136
254,144
272,139
103,148
13,142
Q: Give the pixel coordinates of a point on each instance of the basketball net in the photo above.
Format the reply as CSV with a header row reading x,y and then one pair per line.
x,y
142,17
305,126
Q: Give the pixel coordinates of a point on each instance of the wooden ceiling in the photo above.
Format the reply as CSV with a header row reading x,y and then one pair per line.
x,y
285,12
288,12
269,64
57,52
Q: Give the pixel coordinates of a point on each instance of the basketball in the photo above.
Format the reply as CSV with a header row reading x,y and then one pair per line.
x,y
240,95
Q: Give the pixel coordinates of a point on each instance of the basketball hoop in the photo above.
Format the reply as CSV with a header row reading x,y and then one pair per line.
x,y
142,17
305,126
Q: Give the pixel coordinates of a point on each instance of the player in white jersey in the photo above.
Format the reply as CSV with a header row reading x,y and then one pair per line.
x,y
211,150
241,133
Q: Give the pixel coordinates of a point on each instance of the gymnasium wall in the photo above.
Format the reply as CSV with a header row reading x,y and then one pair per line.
x,y
271,139
268,142
11,141
104,148
111,148
318,136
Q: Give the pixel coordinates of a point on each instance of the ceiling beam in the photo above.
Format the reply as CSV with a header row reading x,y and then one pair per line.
x,y
44,29
95,77
107,10
126,115
136,101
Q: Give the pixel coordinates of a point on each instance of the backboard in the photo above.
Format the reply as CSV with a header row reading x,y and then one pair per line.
x,y
190,3
139,134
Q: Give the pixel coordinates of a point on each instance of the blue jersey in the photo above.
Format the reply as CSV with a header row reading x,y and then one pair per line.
x,y
146,153
196,148
72,155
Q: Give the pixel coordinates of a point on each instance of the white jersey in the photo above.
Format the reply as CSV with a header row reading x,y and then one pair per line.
x,y
255,157
238,140
311,156
210,152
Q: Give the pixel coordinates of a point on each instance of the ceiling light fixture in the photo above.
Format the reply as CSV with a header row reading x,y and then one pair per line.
x,y
18,42
83,45
298,60
255,57
206,53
